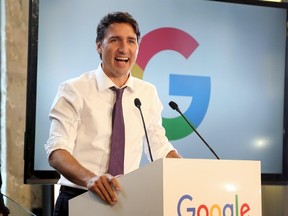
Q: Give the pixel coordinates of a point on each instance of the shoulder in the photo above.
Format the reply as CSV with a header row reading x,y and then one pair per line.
x,y
143,85
84,77
83,81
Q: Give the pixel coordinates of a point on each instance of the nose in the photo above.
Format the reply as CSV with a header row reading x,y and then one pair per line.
x,y
122,47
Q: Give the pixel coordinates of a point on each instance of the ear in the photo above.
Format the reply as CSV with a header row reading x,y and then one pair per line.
x,y
98,47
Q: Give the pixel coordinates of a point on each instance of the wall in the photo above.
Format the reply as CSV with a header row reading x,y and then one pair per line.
x,y
274,200
16,58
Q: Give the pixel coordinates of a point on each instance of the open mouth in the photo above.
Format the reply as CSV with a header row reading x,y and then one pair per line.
x,y
122,59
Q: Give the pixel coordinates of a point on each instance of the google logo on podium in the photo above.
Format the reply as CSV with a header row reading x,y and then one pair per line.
x,y
197,87
240,209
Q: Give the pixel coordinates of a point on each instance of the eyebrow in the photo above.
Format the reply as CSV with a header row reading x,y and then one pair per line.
x,y
120,37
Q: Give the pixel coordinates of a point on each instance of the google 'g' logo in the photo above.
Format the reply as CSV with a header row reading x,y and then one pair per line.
x,y
197,87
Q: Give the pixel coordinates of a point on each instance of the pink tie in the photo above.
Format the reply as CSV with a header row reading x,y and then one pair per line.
x,y
116,163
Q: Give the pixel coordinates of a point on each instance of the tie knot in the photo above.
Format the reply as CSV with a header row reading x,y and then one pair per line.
x,y
119,92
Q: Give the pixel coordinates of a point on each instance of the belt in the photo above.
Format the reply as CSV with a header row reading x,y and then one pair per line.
x,y
71,190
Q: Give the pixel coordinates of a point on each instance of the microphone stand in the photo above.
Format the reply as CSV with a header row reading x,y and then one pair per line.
x,y
175,106
138,105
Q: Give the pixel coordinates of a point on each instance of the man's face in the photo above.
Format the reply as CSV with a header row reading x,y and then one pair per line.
x,y
119,51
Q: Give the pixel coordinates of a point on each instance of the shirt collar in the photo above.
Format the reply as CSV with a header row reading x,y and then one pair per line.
x,y
103,81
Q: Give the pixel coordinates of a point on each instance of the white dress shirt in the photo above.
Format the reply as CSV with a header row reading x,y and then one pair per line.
x,y
81,122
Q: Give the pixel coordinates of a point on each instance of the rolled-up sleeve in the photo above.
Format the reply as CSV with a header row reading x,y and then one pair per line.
x,y
64,116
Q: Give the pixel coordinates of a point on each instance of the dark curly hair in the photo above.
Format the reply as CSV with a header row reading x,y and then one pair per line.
x,y
116,17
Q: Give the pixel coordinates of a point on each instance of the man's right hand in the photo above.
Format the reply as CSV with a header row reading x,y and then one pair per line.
x,y
105,187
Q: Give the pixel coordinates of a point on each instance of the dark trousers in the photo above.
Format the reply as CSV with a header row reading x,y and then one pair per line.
x,y
66,193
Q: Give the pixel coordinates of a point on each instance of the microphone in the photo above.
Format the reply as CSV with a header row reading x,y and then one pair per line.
x,y
174,106
137,103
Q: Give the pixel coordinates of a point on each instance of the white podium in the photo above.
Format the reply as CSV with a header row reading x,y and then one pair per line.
x,y
180,187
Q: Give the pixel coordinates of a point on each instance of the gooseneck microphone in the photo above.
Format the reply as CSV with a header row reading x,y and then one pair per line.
x,y
137,103
174,106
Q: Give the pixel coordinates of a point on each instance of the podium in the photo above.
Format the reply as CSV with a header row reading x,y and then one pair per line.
x,y
169,187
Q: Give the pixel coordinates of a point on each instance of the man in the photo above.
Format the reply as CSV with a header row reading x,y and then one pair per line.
x,y
81,117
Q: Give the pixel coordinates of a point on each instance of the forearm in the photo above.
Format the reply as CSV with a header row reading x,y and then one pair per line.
x,y
69,167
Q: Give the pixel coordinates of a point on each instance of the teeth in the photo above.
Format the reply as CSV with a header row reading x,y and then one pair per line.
x,y
122,59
